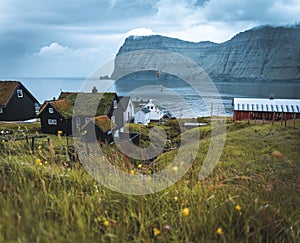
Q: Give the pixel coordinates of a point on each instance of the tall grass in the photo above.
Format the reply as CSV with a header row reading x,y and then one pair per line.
x,y
253,195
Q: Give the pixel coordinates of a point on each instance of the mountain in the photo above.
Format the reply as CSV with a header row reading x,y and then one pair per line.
x,y
261,53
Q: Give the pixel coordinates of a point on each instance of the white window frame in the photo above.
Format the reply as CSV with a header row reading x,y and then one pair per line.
x,y
1,110
78,121
20,93
52,122
115,104
113,119
51,110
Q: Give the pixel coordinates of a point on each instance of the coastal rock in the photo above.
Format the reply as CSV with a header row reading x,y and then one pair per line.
x,y
262,53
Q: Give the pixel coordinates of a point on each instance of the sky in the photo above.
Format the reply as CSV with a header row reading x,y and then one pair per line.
x,y
71,38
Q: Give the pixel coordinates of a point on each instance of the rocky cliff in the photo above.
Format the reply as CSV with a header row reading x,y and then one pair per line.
x,y
262,53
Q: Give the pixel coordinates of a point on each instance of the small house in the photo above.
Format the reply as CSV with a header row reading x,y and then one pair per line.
x,y
56,115
265,109
73,110
16,102
128,108
99,128
142,116
156,112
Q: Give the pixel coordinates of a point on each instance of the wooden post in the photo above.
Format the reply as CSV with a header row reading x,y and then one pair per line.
x,y
48,140
273,120
294,123
27,140
281,118
87,149
285,119
248,117
32,144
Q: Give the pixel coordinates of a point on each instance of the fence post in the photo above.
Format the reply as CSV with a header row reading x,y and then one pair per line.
x,y
32,145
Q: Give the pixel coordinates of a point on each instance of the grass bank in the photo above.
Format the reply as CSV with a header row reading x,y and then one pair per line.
x,y
253,194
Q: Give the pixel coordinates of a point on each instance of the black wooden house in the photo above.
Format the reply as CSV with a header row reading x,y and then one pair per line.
x,y
71,111
16,102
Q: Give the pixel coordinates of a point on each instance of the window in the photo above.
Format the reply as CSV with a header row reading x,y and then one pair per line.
x,y
1,110
52,122
20,93
78,121
87,119
115,104
37,107
51,111
113,119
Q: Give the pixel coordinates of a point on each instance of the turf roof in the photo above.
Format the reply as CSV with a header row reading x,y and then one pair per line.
x,y
7,89
103,122
87,104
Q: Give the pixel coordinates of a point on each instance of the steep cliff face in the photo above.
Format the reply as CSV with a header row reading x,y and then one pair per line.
x,y
263,53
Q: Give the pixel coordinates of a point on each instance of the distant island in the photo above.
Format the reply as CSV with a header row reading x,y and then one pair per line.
x,y
104,77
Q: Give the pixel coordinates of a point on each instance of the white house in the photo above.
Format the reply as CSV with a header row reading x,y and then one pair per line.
x,y
156,112
128,108
142,116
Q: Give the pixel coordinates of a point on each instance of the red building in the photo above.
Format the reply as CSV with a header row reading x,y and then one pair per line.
x,y
265,109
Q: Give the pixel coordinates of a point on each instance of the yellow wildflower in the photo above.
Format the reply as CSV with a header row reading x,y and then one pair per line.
x,y
238,207
156,231
185,212
39,147
175,168
46,162
175,199
131,172
59,132
106,223
219,231
140,166
38,161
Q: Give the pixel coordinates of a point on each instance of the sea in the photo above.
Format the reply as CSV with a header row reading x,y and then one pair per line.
x,y
181,101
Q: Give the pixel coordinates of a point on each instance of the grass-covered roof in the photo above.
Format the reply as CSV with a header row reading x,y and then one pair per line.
x,y
104,123
7,89
84,104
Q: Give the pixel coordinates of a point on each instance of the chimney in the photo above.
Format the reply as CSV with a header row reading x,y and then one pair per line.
x,y
94,90
271,97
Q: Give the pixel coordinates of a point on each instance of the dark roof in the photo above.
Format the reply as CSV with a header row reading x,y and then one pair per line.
x,y
85,103
124,101
145,110
102,122
7,89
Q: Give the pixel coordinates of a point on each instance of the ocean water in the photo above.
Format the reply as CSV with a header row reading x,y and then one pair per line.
x,y
181,100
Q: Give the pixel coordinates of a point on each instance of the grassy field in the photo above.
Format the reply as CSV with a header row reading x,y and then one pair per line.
x,y
253,194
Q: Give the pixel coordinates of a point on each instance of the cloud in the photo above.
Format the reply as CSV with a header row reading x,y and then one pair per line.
x,y
228,11
219,20
55,49
89,32
140,32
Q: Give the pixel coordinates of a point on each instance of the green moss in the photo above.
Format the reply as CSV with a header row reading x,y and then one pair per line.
x,y
84,104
